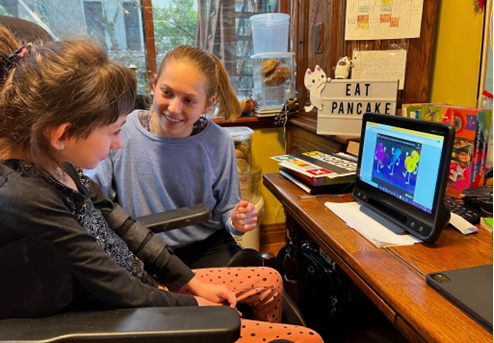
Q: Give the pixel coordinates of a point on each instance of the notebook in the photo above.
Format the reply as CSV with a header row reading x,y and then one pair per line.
x,y
470,289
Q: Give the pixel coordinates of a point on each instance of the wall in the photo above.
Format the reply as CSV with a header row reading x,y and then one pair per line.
x,y
456,54
265,144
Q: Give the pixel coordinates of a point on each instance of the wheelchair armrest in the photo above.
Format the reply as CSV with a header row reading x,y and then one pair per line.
x,y
169,324
174,219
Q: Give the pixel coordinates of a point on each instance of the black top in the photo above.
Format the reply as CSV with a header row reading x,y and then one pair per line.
x,y
58,253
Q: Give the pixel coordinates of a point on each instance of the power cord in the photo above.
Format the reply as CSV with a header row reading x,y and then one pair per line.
x,y
351,184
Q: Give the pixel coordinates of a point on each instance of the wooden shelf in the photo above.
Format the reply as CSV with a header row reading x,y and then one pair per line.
x,y
253,122
302,136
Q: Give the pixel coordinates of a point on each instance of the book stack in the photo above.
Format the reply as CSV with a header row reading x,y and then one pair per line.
x,y
289,108
318,173
267,111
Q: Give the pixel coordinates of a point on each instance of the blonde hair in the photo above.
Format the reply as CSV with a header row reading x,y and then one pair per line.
x,y
212,68
54,83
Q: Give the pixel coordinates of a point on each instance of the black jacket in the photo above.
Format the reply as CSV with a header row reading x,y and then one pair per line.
x,y
58,253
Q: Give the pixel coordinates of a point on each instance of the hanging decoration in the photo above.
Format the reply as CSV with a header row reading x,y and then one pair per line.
x,y
479,5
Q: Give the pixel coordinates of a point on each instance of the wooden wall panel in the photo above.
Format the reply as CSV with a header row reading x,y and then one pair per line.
x,y
332,13
301,53
319,13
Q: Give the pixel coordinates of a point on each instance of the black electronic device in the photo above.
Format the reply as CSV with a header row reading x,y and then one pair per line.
x,y
470,289
177,218
479,198
468,213
402,173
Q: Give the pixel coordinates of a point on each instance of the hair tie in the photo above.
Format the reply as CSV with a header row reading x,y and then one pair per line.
x,y
17,55
7,63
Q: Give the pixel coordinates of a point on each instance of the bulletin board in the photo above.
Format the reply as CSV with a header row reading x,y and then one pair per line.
x,y
329,16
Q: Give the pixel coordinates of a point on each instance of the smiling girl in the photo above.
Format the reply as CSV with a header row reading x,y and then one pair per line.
x,y
172,156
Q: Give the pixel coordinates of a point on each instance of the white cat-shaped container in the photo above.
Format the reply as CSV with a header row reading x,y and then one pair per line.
x,y
342,70
315,81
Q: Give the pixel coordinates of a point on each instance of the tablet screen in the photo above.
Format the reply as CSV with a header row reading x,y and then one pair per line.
x,y
402,162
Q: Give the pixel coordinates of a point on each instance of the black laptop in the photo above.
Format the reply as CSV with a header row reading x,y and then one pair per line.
x,y
470,289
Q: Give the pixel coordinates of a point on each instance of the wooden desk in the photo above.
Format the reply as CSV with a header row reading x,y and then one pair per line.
x,y
393,278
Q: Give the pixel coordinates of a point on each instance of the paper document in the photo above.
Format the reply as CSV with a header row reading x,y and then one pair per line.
x,y
368,227
461,224
383,19
380,65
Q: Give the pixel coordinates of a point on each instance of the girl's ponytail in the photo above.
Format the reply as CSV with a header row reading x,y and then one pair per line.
x,y
226,96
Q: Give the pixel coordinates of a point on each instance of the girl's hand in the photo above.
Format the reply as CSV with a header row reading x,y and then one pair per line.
x,y
244,216
204,302
217,294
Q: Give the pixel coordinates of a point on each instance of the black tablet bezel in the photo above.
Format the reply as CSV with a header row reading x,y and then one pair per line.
x,y
437,217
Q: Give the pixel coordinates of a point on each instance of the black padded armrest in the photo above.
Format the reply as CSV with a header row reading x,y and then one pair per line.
x,y
153,324
174,219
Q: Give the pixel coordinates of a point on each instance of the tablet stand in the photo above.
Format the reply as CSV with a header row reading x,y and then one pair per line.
x,y
386,222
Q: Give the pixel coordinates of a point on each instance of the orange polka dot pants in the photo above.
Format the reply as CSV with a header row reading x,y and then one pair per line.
x,y
262,289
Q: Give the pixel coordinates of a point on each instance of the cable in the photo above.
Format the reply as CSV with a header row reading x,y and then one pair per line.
x,y
349,185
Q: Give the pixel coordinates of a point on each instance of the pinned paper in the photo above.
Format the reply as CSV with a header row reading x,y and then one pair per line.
x,y
380,65
383,19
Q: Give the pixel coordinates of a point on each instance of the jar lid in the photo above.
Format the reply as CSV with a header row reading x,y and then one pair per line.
x,y
270,17
239,130
273,55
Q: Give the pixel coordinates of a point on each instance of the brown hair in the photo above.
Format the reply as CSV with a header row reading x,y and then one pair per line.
x,y
214,71
55,83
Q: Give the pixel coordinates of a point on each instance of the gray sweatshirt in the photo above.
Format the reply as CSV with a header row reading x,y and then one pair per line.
x,y
152,174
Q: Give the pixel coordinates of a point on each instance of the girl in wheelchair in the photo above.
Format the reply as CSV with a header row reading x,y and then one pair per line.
x,y
65,246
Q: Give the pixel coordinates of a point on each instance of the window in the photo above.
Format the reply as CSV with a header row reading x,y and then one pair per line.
x,y
131,20
116,25
174,23
221,27
93,13
9,8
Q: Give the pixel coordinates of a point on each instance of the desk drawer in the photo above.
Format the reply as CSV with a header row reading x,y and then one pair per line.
x,y
408,331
